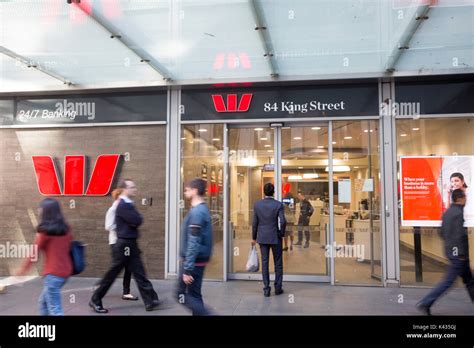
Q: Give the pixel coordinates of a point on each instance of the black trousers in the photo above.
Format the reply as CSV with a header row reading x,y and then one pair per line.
x,y
127,275
307,235
126,254
457,268
278,262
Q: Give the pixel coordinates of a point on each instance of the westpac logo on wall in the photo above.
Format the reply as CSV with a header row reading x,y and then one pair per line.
x,y
74,183
231,105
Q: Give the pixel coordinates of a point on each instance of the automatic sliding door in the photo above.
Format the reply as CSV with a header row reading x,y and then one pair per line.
x,y
303,174
251,166
305,192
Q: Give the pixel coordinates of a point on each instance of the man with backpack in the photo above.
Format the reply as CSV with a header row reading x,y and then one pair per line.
x,y
306,210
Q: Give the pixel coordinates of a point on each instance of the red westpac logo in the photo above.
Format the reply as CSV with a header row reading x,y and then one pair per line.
x,y
231,106
74,175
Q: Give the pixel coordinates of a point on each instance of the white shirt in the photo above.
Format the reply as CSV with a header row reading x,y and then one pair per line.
x,y
110,222
126,199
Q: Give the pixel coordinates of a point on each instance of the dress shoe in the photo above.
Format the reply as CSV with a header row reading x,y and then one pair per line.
x,y
424,308
266,292
306,245
285,249
129,297
279,292
152,306
98,308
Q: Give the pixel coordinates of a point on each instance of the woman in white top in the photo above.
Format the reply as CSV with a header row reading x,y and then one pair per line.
x,y
111,227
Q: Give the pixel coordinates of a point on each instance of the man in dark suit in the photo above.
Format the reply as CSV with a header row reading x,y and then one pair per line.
x,y
457,251
126,252
268,228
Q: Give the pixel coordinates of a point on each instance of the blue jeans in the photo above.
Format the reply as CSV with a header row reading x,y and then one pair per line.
x,y
457,268
191,294
50,299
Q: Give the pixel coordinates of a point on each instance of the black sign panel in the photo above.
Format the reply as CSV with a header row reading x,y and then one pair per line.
x,y
280,102
6,111
438,97
97,108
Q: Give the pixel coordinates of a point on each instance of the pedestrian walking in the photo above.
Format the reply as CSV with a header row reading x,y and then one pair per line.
x,y
126,252
54,239
196,248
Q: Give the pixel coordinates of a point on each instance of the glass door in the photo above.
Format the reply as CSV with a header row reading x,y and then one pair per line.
x,y
301,181
251,166
305,193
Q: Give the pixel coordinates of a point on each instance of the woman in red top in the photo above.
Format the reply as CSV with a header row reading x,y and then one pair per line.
x,y
54,239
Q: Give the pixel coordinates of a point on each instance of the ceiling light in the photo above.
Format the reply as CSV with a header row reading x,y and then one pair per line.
x,y
310,176
215,139
202,130
267,145
183,138
415,129
403,135
366,131
347,138
339,169
300,167
258,129
320,147
269,151
316,128
356,167
334,143
297,138
295,177
263,139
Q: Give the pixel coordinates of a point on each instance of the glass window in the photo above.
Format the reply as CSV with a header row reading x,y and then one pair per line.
x,y
202,157
422,258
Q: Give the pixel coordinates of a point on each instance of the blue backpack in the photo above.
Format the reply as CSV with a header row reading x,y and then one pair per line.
x,y
78,257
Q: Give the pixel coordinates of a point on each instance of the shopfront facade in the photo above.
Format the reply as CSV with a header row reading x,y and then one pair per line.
x,y
337,142
76,148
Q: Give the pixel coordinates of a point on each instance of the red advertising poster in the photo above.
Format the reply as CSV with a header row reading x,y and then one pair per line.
x,y
426,184
420,188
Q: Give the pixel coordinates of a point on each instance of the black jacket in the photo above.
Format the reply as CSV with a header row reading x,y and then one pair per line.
x,y
266,214
454,233
306,210
127,219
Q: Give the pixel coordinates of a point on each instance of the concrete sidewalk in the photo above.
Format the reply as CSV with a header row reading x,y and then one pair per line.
x,y
242,298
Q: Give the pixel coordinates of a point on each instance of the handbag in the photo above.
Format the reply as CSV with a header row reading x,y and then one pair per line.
x,y
78,257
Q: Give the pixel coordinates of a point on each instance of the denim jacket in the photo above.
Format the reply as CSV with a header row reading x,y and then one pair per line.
x,y
196,237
